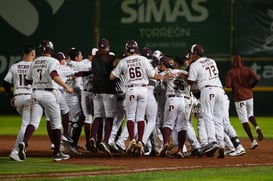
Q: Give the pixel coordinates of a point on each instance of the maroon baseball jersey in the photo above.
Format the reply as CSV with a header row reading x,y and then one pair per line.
x,y
241,79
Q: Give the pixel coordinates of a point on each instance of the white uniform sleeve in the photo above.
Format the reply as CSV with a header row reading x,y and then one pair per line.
x,y
193,74
8,78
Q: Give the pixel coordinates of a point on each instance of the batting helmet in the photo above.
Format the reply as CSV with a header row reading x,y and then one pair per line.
x,y
46,46
60,56
147,52
131,46
158,54
197,49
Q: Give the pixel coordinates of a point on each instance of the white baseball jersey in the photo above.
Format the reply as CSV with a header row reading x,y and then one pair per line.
x,y
40,71
177,86
205,72
136,70
76,67
16,76
65,73
86,65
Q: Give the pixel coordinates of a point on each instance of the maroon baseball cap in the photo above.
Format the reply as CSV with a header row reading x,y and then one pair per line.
x,y
147,52
165,61
60,56
197,49
103,44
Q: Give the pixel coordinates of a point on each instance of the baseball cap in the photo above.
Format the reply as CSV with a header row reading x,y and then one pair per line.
x,y
147,52
103,44
60,56
197,49
165,61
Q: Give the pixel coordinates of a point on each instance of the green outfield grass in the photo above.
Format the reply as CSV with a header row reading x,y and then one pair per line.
x,y
10,125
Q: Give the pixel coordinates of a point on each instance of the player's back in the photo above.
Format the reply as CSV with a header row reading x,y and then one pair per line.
x,y
102,65
40,72
137,69
207,72
177,86
18,73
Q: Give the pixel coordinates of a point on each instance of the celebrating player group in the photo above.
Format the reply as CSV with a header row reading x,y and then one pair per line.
x,y
140,103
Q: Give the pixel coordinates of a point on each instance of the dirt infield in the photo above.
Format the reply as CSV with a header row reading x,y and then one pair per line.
x,y
39,146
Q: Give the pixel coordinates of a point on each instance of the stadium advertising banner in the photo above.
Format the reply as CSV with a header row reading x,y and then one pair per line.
x,y
66,23
253,28
171,26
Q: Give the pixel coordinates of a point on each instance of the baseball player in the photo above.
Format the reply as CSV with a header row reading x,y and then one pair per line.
x,y
20,98
177,97
204,71
74,100
87,95
43,74
150,136
104,95
242,79
65,72
115,140
231,133
119,134
136,70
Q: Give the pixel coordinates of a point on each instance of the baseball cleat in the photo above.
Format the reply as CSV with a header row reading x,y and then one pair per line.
x,y
211,147
179,154
164,150
238,152
105,148
138,149
22,151
66,139
121,146
61,156
260,134
74,150
253,144
229,151
14,156
196,152
114,147
131,146
93,145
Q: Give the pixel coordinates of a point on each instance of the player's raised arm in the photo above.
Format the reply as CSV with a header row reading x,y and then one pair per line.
x,y
58,80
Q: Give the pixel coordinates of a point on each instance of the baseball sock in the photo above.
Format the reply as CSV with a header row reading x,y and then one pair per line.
x,y
100,131
131,129
29,131
87,132
65,123
108,128
140,129
166,134
76,134
235,141
248,131
252,119
95,127
49,131
181,139
56,133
